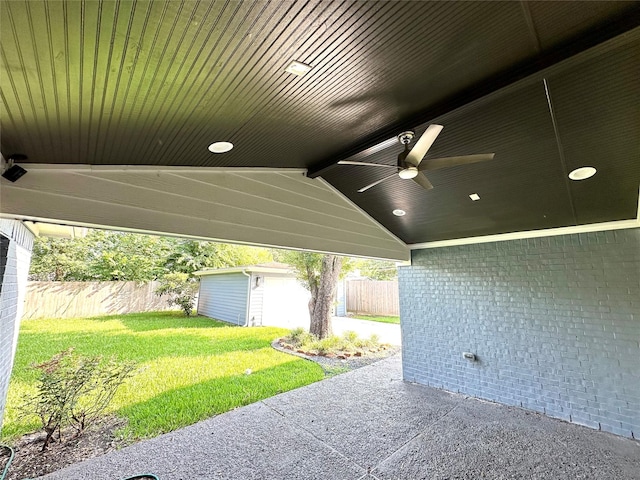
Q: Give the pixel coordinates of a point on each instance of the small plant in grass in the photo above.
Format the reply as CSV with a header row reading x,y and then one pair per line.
x,y
181,290
74,390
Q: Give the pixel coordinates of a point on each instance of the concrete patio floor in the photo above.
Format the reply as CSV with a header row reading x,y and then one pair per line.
x,y
369,424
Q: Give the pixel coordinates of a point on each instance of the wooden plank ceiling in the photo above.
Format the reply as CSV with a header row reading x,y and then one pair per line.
x,y
546,86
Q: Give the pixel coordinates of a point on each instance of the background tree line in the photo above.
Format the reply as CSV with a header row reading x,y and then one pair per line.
x,y
119,256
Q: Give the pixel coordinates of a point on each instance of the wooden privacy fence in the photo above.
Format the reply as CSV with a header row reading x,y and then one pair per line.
x,y
372,297
88,299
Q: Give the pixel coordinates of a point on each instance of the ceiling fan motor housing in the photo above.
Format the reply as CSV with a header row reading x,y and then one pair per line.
x,y
406,137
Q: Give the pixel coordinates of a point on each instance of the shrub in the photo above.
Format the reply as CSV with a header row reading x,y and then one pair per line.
x,y
296,334
326,345
299,337
348,342
350,336
372,341
181,290
74,390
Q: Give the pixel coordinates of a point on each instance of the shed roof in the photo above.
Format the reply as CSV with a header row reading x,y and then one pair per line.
x,y
271,267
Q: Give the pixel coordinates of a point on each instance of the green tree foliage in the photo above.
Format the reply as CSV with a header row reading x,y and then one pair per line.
x,y
377,269
126,256
106,255
180,289
59,259
188,256
308,266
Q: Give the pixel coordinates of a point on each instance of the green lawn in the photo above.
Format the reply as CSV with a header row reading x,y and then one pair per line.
x,y
188,368
378,318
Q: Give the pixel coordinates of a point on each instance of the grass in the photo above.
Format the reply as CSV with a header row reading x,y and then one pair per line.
x,y
188,369
378,318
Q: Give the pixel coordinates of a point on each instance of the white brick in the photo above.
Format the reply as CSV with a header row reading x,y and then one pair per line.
x,y
555,324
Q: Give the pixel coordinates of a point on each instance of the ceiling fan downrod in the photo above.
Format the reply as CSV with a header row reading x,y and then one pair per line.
x,y
404,171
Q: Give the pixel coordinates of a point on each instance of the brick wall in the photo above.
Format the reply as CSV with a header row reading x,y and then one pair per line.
x,y
16,243
554,322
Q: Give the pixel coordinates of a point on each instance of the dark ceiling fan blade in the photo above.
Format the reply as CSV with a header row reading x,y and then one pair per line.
x,y
423,144
444,162
364,189
350,162
423,181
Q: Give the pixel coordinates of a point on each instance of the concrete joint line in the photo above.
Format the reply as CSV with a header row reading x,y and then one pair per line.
x,y
301,427
418,434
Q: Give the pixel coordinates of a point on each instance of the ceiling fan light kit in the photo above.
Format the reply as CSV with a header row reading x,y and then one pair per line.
x,y
410,166
407,173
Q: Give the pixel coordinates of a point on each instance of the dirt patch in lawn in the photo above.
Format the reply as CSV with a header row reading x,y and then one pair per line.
x,y
31,462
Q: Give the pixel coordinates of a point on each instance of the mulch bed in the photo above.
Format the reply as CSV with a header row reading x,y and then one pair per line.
x,y
330,363
31,462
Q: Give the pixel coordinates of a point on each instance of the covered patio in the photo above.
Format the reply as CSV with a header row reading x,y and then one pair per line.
x,y
369,424
493,145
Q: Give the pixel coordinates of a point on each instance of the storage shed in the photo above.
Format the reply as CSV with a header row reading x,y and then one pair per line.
x,y
266,294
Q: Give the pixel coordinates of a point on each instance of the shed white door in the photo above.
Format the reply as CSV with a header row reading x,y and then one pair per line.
x,y
285,303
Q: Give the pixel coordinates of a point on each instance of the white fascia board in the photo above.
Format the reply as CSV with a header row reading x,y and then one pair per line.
x,y
222,271
357,207
42,229
155,168
549,232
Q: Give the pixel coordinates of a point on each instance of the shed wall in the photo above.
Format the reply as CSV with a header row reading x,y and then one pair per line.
x,y
224,297
285,303
257,299
554,322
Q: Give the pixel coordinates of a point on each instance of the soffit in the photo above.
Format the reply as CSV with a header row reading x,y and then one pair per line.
x,y
153,83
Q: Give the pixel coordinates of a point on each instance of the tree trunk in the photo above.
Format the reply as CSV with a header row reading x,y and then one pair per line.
x,y
322,296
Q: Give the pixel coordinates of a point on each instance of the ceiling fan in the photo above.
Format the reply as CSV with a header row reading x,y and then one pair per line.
x,y
410,162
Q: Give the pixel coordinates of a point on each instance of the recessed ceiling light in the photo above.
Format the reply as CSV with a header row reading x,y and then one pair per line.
x,y
220,147
399,213
474,197
582,173
298,68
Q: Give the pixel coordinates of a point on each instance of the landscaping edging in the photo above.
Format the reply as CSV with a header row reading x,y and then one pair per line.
x,y
330,365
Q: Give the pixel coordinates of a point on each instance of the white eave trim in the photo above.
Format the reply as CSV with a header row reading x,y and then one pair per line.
x,y
223,271
155,168
550,232
359,209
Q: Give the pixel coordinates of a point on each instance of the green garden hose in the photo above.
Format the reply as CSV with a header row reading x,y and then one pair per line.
x,y
11,455
143,476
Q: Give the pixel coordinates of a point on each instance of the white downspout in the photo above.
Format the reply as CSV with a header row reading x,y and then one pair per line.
x,y
246,315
